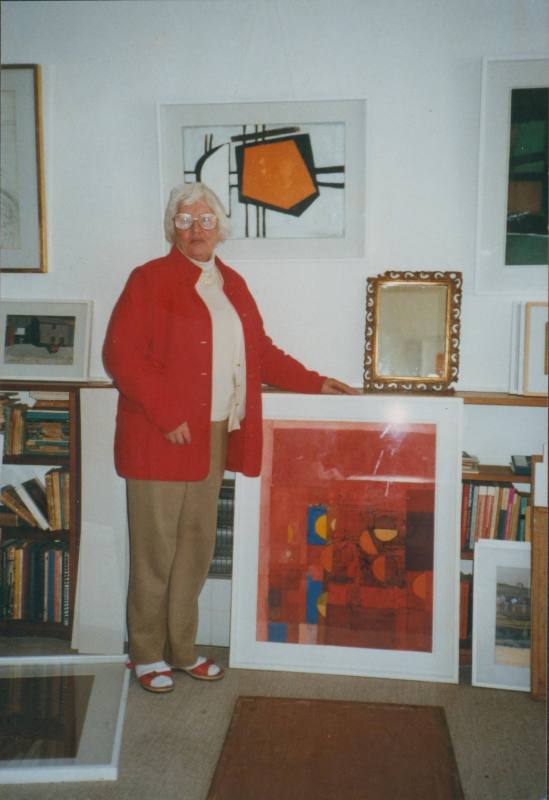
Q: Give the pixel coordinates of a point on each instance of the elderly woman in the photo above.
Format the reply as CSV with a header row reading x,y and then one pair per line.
x,y
188,354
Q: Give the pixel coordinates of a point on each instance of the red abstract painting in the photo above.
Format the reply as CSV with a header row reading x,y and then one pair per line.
x,y
347,534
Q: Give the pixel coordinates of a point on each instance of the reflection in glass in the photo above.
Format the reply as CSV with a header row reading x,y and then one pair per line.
x,y
62,720
527,211
412,330
42,717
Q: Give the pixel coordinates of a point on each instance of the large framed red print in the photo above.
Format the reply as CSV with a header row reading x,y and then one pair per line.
x,y
346,548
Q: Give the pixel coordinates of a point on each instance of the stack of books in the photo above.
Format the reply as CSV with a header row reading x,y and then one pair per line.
x,y
38,504
469,463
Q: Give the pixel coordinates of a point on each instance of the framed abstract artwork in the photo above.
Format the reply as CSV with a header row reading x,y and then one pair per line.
x,y
290,174
512,211
502,615
346,551
22,204
43,339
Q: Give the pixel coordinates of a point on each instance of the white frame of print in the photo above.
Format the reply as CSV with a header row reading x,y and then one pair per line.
x,y
81,310
489,555
27,196
173,117
536,345
499,76
441,664
101,738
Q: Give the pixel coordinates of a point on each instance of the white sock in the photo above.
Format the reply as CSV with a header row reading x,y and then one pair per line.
x,y
161,681
213,669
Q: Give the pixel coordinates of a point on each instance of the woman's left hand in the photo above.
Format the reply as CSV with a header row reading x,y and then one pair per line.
x,y
333,386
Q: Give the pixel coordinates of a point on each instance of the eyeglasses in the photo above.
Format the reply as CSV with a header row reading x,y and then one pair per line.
x,y
185,221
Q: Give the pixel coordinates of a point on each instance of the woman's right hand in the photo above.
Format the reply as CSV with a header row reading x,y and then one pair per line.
x,y
181,434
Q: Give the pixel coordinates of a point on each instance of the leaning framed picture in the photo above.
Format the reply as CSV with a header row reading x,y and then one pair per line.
x,y
22,201
45,340
512,209
536,349
502,623
290,174
346,551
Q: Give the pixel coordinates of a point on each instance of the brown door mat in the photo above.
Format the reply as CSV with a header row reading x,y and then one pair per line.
x,y
292,749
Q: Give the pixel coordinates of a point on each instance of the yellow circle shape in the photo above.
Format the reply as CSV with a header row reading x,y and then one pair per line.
x,y
321,526
385,534
321,603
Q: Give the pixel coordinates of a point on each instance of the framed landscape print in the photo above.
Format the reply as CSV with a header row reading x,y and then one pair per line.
x,y
22,202
502,615
346,548
290,174
42,339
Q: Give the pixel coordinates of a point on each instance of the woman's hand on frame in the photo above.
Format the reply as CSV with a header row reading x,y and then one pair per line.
x,y
333,386
181,434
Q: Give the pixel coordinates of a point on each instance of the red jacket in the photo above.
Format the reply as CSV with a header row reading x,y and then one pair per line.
x,y
159,354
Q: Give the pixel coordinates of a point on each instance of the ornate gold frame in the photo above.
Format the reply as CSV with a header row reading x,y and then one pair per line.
x,y
373,380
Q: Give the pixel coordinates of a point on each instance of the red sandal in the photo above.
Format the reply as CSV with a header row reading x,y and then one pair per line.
x,y
201,671
148,677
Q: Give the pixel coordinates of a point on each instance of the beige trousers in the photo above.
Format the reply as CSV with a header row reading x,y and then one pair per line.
x,y
172,540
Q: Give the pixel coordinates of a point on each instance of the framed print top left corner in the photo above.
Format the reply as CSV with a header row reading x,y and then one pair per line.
x,y
22,205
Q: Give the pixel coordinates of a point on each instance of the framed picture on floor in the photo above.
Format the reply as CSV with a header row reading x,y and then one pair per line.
x,y
536,349
346,550
43,339
502,622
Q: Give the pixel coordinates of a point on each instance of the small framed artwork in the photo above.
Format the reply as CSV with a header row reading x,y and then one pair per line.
x,y
290,174
512,216
502,615
346,549
22,202
45,340
536,345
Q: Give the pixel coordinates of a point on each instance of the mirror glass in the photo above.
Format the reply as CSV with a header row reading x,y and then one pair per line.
x,y
412,330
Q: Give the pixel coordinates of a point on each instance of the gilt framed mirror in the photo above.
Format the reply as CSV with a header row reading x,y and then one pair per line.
x,y
412,331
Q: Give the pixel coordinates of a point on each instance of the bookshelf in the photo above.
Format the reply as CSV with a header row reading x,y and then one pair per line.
x,y
38,614
487,474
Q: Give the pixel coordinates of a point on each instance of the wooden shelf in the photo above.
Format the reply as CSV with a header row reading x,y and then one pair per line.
x,y
501,399
19,627
495,472
46,459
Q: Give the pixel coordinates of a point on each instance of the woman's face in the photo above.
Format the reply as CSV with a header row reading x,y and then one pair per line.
x,y
196,242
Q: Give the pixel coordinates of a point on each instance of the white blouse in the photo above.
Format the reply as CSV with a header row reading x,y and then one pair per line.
x,y
228,354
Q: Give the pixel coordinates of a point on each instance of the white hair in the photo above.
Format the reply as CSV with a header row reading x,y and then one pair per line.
x,y
184,195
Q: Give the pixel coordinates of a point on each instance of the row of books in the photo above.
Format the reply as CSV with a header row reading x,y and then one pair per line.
x,y
222,561
493,511
39,429
39,504
34,581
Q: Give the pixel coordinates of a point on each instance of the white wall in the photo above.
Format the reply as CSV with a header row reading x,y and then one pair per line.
x,y
417,63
